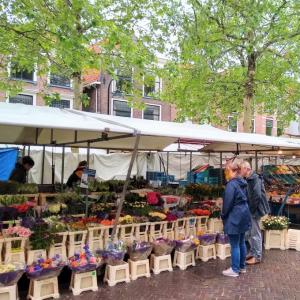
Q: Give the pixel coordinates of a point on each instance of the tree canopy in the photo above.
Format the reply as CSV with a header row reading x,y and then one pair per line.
x,y
70,36
235,57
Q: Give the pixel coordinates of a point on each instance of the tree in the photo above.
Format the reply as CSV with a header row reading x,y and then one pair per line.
x,y
236,57
70,36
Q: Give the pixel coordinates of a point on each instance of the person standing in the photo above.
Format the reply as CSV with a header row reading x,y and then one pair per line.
x,y
19,173
236,217
75,177
258,208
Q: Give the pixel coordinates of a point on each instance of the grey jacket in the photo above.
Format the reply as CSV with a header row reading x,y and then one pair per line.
x,y
254,193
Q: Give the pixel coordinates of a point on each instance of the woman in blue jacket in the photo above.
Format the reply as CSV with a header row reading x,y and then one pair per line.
x,y
236,217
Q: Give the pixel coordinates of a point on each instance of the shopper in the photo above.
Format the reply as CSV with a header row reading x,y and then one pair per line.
x,y
236,217
19,173
256,194
75,177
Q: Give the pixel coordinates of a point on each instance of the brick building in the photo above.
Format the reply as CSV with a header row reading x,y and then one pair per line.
x,y
33,86
107,97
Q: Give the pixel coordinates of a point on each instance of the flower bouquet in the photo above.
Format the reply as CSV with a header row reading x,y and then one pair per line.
x,y
17,231
275,223
45,268
207,239
157,216
139,250
222,238
163,246
84,262
10,273
187,244
114,253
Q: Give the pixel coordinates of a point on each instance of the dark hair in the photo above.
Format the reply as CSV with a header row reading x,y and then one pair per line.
x,y
83,163
27,160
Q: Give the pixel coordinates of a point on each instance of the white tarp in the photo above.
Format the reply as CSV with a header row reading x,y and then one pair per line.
x,y
25,124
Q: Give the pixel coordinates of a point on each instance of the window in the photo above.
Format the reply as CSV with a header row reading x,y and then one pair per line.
x,y
17,73
121,108
152,112
21,98
123,84
232,124
60,103
60,80
152,87
269,126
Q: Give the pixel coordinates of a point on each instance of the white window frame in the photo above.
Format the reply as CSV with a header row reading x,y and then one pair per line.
x,y
34,74
114,83
273,127
156,89
67,98
158,105
112,107
237,124
26,93
59,86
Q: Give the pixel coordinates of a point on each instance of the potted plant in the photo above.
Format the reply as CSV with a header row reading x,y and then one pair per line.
x,y
275,232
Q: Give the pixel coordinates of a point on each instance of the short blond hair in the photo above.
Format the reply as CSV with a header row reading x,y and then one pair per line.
x,y
246,164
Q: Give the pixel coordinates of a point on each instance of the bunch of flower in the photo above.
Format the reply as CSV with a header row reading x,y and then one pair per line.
x,y
114,253
76,226
275,223
10,273
55,224
126,220
200,212
45,268
107,222
170,217
42,237
84,261
18,231
187,244
157,216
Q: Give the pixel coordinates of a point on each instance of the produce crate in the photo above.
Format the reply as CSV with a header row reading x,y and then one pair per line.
x,y
275,239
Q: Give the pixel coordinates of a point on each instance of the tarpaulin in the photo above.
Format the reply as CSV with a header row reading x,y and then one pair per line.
x,y
8,158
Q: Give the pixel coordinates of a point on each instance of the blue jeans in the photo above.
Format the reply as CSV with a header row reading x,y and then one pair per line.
x,y
238,251
255,239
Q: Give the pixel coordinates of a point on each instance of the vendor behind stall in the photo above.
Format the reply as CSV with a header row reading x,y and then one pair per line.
x,y
75,177
19,173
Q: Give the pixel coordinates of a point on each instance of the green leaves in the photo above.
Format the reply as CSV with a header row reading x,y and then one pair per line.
x,y
219,42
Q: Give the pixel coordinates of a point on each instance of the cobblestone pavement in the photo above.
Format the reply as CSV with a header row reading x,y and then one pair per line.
x,y
278,277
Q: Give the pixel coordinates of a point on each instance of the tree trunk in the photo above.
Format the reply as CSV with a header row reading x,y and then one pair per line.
x,y
77,88
249,93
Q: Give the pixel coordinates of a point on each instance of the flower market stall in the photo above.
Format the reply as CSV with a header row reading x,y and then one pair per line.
x,y
130,228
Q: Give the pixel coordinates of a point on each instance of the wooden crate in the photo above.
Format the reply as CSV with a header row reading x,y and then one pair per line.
x,y
275,239
202,223
9,292
223,251
215,225
139,268
190,226
126,233
184,259
117,274
161,263
14,249
156,230
205,253
42,198
141,232
82,282
34,255
96,237
60,246
43,289
169,230
180,226
76,241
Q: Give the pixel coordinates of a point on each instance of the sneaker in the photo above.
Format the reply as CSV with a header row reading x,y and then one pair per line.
x,y
243,271
229,272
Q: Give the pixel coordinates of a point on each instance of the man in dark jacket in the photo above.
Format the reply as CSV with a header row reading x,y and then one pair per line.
x,y
254,192
19,173
75,177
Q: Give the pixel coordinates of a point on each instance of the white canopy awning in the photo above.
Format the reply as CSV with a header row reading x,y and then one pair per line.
x,y
40,125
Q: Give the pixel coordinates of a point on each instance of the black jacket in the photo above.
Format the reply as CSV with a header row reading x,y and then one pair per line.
x,y
254,192
18,174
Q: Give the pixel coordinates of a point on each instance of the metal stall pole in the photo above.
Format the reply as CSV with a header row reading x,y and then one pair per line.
x,y
43,165
167,165
221,168
256,162
191,161
120,205
62,169
52,168
87,189
28,151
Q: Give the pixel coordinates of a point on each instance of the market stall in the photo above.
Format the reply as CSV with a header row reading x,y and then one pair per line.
x,y
128,217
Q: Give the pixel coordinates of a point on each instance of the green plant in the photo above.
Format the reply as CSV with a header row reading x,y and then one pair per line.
x,y
275,223
42,236
7,200
67,197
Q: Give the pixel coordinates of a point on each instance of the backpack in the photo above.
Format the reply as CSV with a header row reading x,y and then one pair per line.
x,y
263,206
